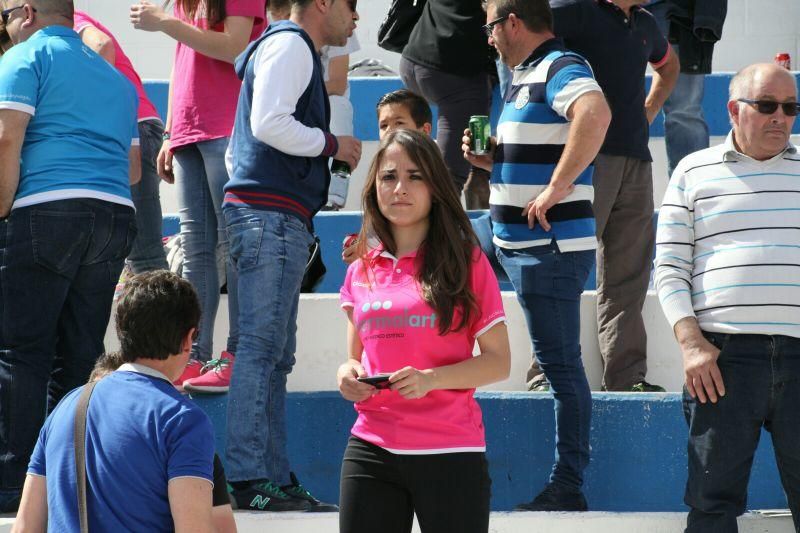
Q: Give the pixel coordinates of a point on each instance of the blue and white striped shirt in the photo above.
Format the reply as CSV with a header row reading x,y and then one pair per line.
x,y
531,135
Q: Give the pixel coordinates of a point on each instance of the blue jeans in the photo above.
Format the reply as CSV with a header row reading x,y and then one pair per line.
x,y
685,128
270,252
148,251
200,175
59,264
761,374
549,284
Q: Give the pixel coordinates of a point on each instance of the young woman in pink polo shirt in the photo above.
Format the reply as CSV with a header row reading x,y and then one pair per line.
x,y
203,93
415,306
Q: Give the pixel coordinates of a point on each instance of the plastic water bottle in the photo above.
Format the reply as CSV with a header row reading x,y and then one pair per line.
x,y
340,181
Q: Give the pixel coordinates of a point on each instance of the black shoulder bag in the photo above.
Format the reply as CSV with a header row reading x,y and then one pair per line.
x,y
79,441
396,28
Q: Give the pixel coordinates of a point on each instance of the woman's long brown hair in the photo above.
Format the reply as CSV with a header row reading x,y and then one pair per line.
x,y
446,255
212,10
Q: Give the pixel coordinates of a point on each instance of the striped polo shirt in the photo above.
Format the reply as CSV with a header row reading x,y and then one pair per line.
x,y
728,242
531,134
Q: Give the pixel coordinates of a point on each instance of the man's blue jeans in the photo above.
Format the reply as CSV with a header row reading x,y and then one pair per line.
x,y
761,374
270,252
549,284
59,264
148,251
200,175
685,128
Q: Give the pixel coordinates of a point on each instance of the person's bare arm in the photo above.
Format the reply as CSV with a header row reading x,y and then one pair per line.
x,y
224,45
590,116
222,515
349,387
703,377
491,365
135,165
99,42
190,505
664,79
164,158
13,124
32,514
337,75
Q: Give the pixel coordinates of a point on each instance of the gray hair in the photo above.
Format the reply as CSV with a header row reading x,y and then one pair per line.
x,y
743,80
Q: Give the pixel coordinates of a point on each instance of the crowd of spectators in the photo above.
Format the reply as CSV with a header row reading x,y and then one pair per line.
x,y
258,106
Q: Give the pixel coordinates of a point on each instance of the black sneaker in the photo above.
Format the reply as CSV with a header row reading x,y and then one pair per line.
x,y
264,495
540,386
644,386
299,492
555,498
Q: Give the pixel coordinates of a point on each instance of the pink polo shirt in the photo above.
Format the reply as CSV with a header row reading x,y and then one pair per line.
x,y
205,91
147,111
398,329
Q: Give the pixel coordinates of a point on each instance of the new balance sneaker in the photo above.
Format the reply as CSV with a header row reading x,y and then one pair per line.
x,y
264,495
555,498
193,369
644,386
216,376
298,491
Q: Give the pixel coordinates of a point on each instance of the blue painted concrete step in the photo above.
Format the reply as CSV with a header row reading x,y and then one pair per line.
x,y
638,448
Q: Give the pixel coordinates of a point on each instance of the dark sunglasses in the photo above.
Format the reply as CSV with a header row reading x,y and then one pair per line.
x,y
488,28
768,107
6,12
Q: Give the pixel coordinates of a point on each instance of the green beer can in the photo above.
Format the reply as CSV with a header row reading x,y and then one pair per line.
x,y
481,131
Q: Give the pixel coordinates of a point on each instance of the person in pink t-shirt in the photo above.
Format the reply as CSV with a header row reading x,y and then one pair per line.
x,y
147,252
416,304
203,94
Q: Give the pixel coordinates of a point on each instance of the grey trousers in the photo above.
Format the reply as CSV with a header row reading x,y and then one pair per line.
x,y
623,210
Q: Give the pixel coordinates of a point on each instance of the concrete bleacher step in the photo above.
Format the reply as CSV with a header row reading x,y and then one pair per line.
x,y
592,522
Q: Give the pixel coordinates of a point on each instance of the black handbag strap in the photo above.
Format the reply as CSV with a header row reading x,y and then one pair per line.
x,y
79,440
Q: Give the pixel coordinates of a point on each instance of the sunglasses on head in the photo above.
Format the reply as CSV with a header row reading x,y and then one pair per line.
x,y
7,12
768,107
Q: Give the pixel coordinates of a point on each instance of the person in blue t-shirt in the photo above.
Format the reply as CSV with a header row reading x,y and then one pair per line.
x,y
149,450
68,151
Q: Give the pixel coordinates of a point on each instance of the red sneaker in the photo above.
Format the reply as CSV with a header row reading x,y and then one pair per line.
x,y
216,376
193,369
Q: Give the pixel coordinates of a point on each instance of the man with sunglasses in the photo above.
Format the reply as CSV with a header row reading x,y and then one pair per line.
x,y
541,234
727,263
68,153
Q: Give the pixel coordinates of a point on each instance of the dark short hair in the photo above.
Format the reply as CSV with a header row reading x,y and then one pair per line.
x,y
283,6
156,311
535,14
417,106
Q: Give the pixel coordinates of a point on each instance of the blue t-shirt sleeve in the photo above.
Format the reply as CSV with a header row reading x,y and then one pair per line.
x,y
191,446
19,80
38,463
135,134
568,78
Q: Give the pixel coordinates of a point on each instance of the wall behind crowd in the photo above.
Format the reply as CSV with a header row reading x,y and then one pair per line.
x,y
755,30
